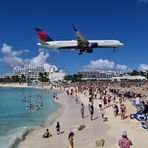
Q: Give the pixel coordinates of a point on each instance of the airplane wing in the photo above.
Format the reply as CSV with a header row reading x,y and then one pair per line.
x,y
82,42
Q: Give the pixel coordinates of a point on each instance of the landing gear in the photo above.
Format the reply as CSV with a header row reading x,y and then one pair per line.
x,y
114,50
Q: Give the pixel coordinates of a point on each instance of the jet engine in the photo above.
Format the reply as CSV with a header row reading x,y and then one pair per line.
x,y
94,45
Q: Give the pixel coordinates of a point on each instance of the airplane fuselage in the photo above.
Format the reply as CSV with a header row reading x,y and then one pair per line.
x,y
74,44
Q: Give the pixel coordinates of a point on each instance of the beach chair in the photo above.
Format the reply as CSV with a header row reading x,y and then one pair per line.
x,y
144,124
142,117
136,105
139,116
132,116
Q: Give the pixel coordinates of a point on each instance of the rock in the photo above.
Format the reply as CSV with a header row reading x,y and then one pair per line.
x,y
100,143
81,127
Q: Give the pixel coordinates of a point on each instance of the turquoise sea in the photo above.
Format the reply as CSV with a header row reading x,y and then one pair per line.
x,y
17,118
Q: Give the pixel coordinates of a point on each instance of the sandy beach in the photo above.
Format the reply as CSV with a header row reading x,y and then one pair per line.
x,y
70,120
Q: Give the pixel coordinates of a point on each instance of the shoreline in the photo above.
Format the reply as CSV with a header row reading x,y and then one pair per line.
x,y
49,120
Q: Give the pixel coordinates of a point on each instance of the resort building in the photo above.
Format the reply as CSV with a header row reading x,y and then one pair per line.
x,y
95,74
28,71
33,72
127,77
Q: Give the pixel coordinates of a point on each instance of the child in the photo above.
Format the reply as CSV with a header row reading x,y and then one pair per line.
x,y
58,128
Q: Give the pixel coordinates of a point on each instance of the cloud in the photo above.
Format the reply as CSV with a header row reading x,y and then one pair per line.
x,y
40,59
104,64
12,57
12,60
122,67
6,49
142,1
100,64
15,53
143,67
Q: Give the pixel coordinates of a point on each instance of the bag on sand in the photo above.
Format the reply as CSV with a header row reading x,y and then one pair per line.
x,y
81,127
100,143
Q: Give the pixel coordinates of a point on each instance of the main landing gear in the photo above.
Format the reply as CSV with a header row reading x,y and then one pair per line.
x,y
114,49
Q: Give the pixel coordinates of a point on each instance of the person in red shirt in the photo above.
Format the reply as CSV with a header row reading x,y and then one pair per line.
x,y
124,142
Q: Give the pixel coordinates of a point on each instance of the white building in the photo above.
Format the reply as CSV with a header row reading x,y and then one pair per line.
x,y
28,71
32,72
129,78
95,74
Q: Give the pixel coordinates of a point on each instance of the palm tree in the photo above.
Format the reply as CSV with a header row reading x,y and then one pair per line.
x,y
43,77
15,79
23,78
7,79
134,73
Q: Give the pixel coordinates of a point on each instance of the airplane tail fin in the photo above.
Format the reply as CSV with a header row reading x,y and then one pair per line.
x,y
42,35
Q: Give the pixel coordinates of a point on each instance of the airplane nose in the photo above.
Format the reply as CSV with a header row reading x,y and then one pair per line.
x,y
39,44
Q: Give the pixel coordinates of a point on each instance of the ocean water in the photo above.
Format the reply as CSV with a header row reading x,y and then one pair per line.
x,y
17,118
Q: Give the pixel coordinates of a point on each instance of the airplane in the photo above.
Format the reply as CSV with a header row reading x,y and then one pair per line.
x,y
81,43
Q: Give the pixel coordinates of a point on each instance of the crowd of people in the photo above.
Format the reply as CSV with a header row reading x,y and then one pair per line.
x,y
111,95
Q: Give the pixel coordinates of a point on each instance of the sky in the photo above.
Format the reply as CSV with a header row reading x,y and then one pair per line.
x,y
124,20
